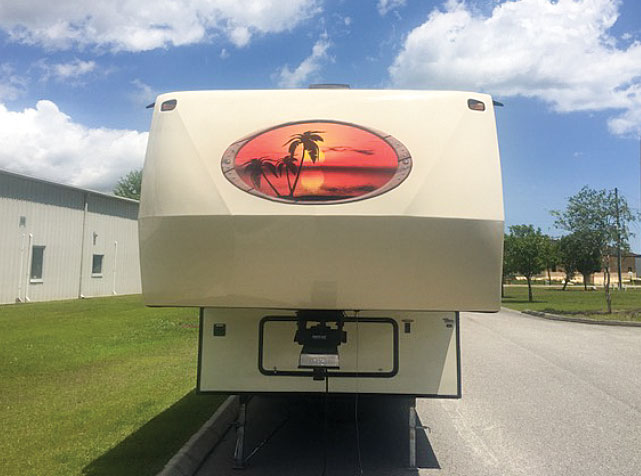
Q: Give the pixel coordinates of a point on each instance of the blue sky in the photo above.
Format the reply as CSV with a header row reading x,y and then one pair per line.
x,y
75,77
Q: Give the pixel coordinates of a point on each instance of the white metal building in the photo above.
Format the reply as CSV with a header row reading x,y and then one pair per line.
x,y
62,242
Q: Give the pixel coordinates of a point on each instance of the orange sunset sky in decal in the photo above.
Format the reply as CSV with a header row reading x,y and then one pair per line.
x,y
350,162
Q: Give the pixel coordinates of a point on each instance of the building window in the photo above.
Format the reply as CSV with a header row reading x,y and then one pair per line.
x,y
37,258
96,266
629,269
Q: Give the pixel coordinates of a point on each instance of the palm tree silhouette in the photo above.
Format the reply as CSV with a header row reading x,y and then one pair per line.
x,y
308,140
256,170
286,165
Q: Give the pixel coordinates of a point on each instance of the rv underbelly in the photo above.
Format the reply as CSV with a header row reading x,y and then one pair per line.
x,y
387,352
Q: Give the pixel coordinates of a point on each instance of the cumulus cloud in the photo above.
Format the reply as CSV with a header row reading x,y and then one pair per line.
x,y
561,52
287,78
44,142
140,25
385,6
12,85
70,71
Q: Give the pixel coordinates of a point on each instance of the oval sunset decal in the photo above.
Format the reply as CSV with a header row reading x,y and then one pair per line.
x,y
317,162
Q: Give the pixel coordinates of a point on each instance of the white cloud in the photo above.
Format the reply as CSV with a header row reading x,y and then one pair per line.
x,y
385,6
629,122
143,94
70,71
240,36
287,78
12,85
561,52
140,25
44,142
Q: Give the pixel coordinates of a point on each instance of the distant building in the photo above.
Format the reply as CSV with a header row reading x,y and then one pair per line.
x,y
62,242
630,264
630,271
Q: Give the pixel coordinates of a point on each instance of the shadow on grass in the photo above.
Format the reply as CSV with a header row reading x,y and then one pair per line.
x,y
148,449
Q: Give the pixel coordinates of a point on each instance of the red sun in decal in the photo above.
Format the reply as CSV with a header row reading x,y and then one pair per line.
x,y
317,162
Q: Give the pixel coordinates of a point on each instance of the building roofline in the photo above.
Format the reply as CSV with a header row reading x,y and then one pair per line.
x,y
612,253
68,187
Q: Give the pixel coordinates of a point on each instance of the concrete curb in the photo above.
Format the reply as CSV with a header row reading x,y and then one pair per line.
x,y
189,458
556,317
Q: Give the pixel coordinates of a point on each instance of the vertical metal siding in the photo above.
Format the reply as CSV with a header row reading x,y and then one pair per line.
x,y
54,219
112,222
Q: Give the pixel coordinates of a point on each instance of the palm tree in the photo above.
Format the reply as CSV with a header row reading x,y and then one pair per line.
x,y
256,170
308,140
286,165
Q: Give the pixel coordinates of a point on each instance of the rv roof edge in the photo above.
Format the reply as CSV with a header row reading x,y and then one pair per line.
x,y
329,86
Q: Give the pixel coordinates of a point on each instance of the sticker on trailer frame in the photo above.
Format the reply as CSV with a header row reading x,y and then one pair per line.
x,y
317,162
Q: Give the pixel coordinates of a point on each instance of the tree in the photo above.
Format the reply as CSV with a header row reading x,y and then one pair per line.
x,y
550,255
579,252
589,256
308,140
527,252
286,165
129,186
256,170
567,258
602,218
508,261
595,211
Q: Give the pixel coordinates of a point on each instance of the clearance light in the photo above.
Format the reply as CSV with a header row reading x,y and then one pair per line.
x,y
475,105
168,105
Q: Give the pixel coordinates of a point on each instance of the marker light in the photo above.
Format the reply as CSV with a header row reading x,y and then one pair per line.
x,y
168,105
475,105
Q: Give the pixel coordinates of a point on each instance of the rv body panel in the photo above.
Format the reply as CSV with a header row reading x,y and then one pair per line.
x,y
302,262
431,242
393,352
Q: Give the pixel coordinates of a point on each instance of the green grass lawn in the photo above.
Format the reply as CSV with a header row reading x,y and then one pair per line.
x,y
100,386
626,305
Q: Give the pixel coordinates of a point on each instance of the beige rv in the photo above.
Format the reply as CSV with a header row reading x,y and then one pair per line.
x,y
330,237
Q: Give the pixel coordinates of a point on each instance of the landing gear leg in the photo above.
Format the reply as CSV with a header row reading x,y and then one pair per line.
x,y
239,451
412,433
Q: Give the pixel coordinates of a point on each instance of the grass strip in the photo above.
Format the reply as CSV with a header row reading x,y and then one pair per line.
x,y
626,304
100,386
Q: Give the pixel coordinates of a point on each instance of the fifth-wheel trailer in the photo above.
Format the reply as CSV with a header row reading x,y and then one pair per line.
x,y
330,237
